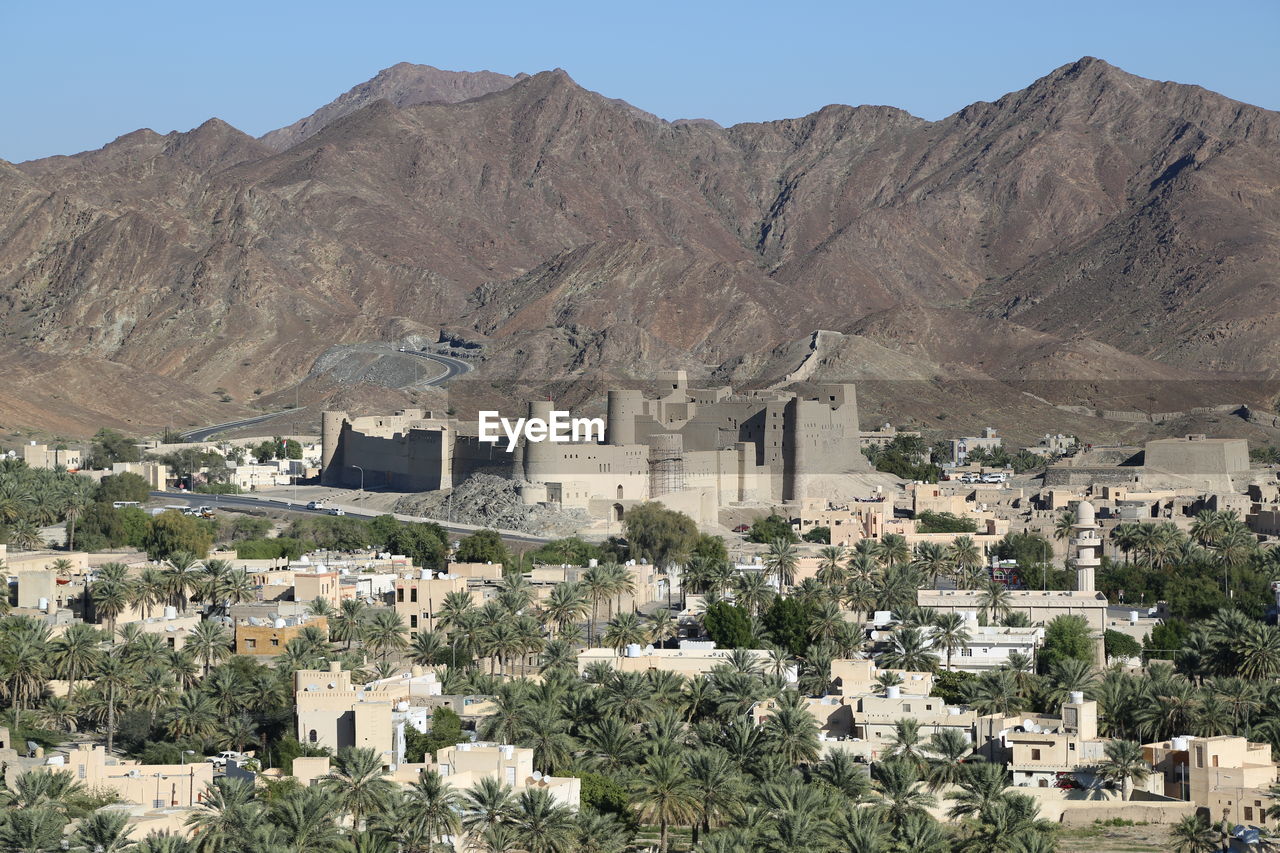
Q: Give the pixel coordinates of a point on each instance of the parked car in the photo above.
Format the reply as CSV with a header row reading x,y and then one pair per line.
x,y
221,759
742,528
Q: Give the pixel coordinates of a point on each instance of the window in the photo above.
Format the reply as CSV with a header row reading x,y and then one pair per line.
x,y
275,641
1071,747
312,736
400,594
966,652
250,643
1248,813
413,620
413,594
1215,760
906,709
1035,755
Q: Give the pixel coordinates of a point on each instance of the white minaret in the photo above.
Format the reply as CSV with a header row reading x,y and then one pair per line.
x,y
1088,546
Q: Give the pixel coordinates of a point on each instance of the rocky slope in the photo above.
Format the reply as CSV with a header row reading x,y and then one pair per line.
x,y
1092,228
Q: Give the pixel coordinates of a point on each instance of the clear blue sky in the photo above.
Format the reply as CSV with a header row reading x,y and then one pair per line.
x,y
78,74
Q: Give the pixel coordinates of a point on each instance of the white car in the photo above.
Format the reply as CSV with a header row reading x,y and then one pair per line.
x,y
336,511
221,759
315,505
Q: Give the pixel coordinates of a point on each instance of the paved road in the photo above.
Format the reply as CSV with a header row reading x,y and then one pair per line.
x,y
452,367
283,504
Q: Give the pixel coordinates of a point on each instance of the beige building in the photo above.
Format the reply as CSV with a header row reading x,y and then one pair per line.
x,y
333,712
1226,776
1040,749
269,637
320,583
693,658
419,599
153,785
44,456
693,449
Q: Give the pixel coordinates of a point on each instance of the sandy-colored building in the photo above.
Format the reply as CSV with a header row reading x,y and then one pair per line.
x,y
44,456
269,637
153,785
418,599
320,583
332,711
693,449
693,658
1227,776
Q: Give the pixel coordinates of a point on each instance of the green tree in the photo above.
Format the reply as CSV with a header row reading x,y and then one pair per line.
x,y
1118,645
174,533
664,794
483,546
1123,765
122,487
729,626
1066,637
663,536
787,621
359,784
771,528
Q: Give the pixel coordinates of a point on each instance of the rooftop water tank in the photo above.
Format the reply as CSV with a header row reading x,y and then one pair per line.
x,y
1076,697
893,691
1180,744
170,612
279,623
42,604
633,650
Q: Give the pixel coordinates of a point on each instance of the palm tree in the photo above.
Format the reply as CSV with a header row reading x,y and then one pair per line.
x,y
790,731
75,652
566,604
183,576
596,584
488,803
384,632
831,569
931,560
981,785
24,668
32,830
781,559
347,623
893,550
965,556
910,650
1125,537
623,630
717,787
431,806
225,814
1064,524
110,598
102,832
149,590
948,751
995,600
1123,764
428,648
663,793
209,641
897,786
1193,834
359,783
192,717
949,634
112,677
544,825
907,743
751,591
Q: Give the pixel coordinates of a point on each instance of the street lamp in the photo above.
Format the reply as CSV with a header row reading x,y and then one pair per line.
x,y
185,753
361,470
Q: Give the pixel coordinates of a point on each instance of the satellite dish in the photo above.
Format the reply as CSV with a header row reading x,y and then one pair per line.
x,y
537,775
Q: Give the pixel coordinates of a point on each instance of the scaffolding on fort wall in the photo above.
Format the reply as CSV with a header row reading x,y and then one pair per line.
x,y
666,464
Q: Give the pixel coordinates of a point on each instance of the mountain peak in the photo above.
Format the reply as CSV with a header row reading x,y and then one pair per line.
x,y
404,85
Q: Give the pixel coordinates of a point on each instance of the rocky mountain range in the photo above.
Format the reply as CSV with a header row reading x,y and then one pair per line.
x,y
1092,230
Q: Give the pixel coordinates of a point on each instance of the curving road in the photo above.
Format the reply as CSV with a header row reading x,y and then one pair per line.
x,y
452,367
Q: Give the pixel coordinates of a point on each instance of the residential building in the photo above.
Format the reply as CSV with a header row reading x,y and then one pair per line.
x,y
1227,776
419,599
256,636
